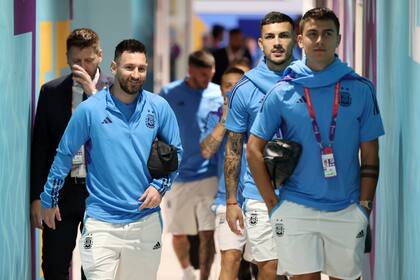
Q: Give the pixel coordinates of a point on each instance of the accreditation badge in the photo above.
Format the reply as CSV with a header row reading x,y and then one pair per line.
x,y
78,158
328,162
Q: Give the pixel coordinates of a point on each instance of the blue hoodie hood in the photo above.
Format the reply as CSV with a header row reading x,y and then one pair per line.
x,y
262,77
299,73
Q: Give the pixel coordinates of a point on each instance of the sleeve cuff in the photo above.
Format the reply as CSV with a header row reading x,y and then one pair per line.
x,y
234,129
49,197
47,201
259,135
160,185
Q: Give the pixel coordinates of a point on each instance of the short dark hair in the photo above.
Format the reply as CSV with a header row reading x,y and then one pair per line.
x,y
276,17
83,38
244,61
319,14
217,30
129,45
233,70
234,31
201,58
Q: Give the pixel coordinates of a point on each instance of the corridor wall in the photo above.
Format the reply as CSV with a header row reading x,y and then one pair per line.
x,y
17,26
398,71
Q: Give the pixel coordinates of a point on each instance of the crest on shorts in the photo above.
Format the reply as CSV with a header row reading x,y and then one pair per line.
x,y
88,242
150,120
279,228
253,220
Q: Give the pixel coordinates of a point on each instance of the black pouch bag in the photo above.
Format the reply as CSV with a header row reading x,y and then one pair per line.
x,y
281,157
163,159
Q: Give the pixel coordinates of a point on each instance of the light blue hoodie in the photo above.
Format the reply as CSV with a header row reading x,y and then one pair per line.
x,y
191,107
117,152
358,121
244,103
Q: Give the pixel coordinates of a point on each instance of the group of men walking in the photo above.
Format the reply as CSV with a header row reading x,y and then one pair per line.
x,y
316,221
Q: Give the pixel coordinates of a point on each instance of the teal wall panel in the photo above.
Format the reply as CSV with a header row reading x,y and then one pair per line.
x,y
398,225
15,116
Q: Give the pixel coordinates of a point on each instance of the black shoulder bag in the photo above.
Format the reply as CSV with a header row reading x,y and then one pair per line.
x,y
163,159
281,157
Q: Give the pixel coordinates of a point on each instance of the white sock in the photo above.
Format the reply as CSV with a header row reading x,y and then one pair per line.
x,y
188,273
189,269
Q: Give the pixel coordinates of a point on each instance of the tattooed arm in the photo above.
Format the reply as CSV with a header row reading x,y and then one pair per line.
x,y
232,170
211,143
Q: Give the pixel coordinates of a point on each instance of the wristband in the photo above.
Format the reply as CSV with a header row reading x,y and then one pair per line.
x,y
369,167
231,203
369,175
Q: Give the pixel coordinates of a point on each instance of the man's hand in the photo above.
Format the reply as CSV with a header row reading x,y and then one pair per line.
x,y
233,216
271,204
36,217
151,198
254,155
49,215
82,77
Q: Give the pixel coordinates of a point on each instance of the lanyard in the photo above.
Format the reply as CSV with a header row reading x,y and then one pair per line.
x,y
315,126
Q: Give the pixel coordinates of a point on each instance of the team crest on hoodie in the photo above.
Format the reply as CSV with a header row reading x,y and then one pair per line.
x,y
150,120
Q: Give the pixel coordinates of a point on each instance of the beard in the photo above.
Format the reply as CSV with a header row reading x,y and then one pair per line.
x,y
198,84
284,60
129,86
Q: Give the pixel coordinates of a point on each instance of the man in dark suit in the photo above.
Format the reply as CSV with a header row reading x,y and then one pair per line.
x,y
235,50
57,100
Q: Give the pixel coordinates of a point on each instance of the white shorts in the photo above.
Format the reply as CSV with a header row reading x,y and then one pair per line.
x,y
121,251
260,241
310,240
226,239
187,207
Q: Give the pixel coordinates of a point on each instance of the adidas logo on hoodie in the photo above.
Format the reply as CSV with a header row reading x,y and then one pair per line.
x,y
106,121
301,100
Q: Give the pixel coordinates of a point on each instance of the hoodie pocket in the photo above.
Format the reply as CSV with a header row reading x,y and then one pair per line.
x,y
362,211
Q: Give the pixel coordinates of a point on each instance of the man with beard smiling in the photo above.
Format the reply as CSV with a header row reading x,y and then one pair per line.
x,y
277,41
122,234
